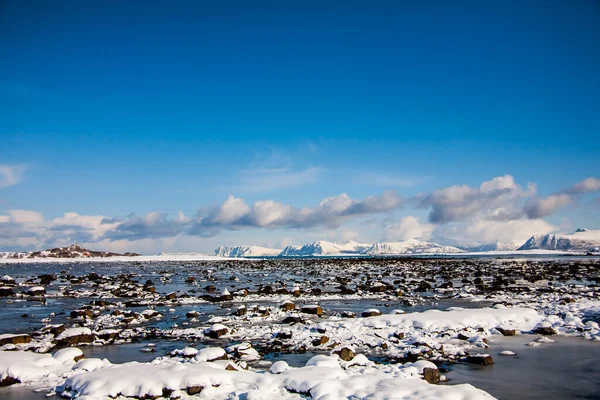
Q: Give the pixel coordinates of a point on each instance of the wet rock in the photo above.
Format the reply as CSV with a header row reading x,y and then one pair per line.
x,y
192,314
431,375
462,336
348,314
345,353
480,359
210,289
6,292
313,309
190,279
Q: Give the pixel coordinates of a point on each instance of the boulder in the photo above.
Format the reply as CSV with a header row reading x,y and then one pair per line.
x,y
373,312
345,353
480,359
431,375
14,339
288,306
544,330
312,309
506,332
217,330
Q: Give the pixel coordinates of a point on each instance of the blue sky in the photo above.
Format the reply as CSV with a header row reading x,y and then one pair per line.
x,y
159,107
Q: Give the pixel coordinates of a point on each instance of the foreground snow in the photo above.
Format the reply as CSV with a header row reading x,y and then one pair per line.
x,y
323,377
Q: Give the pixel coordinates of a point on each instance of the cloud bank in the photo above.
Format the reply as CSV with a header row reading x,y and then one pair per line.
x,y
496,210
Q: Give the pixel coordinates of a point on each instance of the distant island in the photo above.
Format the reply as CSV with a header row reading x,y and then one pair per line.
x,y
72,251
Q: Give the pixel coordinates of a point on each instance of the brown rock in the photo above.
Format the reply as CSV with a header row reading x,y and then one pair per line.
x,y
15,339
345,353
431,375
544,330
484,359
192,390
315,310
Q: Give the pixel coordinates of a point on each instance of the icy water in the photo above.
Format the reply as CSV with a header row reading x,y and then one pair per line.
x,y
569,368
566,369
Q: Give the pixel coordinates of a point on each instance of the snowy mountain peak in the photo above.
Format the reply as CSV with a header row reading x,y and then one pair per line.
x,y
412,246
581,240
246,251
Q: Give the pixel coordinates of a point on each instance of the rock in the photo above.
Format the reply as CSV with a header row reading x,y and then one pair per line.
x,y
193,390
507,332
462,336
9,380
480,359
345,353
54,329
6,292
171,296
373,312
190,279
284,335
288,306
217,330
312,309
399,335
544,330
431,375
241,310
348,314
320,341
36,291
293,319
81,314
191,314
14,339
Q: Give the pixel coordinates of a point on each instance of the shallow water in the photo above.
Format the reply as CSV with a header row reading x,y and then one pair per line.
x,y
567,369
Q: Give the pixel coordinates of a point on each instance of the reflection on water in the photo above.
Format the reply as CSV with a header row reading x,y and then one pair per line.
x,y
567,369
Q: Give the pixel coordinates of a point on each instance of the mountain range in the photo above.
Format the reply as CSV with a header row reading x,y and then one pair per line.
x,y
582,240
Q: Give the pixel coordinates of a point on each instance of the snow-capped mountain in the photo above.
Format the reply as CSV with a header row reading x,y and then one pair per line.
x,y
246,251
496,246
581,240
324,248
412,246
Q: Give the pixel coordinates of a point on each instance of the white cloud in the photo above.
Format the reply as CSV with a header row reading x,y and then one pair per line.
x,y
10,175
408,228
540,208
498,198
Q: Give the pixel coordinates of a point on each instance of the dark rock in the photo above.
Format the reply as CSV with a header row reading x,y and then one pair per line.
x,y
507,332
312,309
483,359
544,330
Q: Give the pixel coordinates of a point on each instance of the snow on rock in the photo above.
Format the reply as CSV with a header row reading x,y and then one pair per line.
x,y
211,354
74,332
